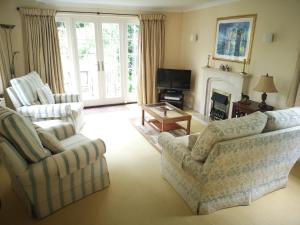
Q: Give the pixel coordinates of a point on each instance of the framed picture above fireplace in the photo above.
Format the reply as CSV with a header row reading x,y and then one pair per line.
x,y
234,38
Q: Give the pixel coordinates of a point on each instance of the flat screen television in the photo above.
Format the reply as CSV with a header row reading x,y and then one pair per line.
x,y
173,79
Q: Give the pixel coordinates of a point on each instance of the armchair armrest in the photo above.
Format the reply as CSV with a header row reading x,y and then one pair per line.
x,y
173,147
79,157
66,98
46,111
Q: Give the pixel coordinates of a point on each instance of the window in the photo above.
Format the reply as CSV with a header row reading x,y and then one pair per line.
x,y
99,57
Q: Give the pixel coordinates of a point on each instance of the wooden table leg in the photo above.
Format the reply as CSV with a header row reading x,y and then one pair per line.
x,y
188,128
143,117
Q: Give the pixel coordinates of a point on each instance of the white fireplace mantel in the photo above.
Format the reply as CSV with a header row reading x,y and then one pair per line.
x,y
232,83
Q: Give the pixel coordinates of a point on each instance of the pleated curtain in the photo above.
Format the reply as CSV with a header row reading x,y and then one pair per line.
x,y
294,91
4,61
42,46
151,55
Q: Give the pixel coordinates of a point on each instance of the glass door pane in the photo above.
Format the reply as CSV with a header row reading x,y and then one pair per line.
x,y
66,57
132,60
87,60
112,58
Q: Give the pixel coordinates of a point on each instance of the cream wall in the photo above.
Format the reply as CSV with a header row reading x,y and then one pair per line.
x,y
172,40
281,17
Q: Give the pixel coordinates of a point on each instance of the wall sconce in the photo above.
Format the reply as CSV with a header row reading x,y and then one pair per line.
x,y
194,37
268,38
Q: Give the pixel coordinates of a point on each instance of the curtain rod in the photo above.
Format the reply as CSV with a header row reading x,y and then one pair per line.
x,y
98,13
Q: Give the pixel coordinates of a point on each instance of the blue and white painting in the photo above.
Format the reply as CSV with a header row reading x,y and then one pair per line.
x,y
233,39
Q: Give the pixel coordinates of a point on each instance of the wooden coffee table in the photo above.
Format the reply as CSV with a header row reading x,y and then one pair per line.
x,y
166,117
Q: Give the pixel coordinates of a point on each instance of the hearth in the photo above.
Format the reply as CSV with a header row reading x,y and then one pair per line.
x,y
220,105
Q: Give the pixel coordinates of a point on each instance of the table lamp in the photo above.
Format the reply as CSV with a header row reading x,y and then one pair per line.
x,y
265,85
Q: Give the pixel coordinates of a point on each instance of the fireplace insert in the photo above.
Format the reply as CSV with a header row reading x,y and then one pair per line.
x,y
220,106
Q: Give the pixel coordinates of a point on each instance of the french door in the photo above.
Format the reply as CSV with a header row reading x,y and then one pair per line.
x,y
99,56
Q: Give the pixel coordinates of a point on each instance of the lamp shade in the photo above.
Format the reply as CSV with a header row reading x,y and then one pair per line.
x,y
266,84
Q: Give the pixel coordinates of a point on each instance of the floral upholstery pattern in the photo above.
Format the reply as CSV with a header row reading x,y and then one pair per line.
x,y
281,119
226,130
236,171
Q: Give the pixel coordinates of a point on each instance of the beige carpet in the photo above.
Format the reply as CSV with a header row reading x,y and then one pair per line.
x,y
151,134
138,195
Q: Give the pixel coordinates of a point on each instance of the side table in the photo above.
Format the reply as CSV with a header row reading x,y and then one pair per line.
x,y
241,109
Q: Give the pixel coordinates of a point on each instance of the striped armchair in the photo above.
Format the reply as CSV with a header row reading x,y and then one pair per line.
x,y
46,181
23,95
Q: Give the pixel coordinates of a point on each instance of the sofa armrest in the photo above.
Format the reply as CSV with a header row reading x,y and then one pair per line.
x,y
173,147
79,157
38,112
66,98
192,139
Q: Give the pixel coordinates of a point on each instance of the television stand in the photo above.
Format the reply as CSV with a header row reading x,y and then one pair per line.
x,y
174,97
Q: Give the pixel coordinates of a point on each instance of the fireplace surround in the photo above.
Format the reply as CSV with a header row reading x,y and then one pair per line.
x,y
229,84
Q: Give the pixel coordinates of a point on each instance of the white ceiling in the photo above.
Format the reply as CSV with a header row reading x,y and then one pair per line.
x,y
157,5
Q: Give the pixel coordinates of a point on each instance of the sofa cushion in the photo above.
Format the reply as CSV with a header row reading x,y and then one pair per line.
x,y
49,140
26,88
45,95
225,130
22,135
282,119
192,140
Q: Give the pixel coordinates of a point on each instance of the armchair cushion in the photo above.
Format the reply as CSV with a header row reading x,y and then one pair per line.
x,y
225,130
79,156
49,140
281,119
20,132
60,129
45,95
26,88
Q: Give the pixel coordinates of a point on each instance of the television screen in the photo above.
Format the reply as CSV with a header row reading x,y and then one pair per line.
x,y
173,79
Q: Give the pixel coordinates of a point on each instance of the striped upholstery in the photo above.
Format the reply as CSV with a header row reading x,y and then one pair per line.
x,y
49,184
79,156
20,132
45,95
14,97
66,98
62,130
26,88
49,140
24,96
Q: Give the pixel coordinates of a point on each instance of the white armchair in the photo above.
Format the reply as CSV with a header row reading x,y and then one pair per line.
x,y
46,181
23,94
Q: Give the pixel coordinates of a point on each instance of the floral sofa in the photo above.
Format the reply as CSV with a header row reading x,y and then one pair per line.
x,y
23,93
232,162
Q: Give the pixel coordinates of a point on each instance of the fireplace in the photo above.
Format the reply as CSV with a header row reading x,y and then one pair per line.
x,y
212,85
219,105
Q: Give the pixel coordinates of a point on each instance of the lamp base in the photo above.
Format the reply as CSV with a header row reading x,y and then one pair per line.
x,y
263,104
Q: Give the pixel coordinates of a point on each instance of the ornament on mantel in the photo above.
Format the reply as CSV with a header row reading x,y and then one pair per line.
x,y
244,67
208,59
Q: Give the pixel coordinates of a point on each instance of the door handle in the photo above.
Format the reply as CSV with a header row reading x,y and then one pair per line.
x,y
98,66
102,65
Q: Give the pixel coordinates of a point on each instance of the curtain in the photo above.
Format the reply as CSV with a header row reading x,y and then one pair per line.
x,y
4,61
151,55
42,46
294,92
